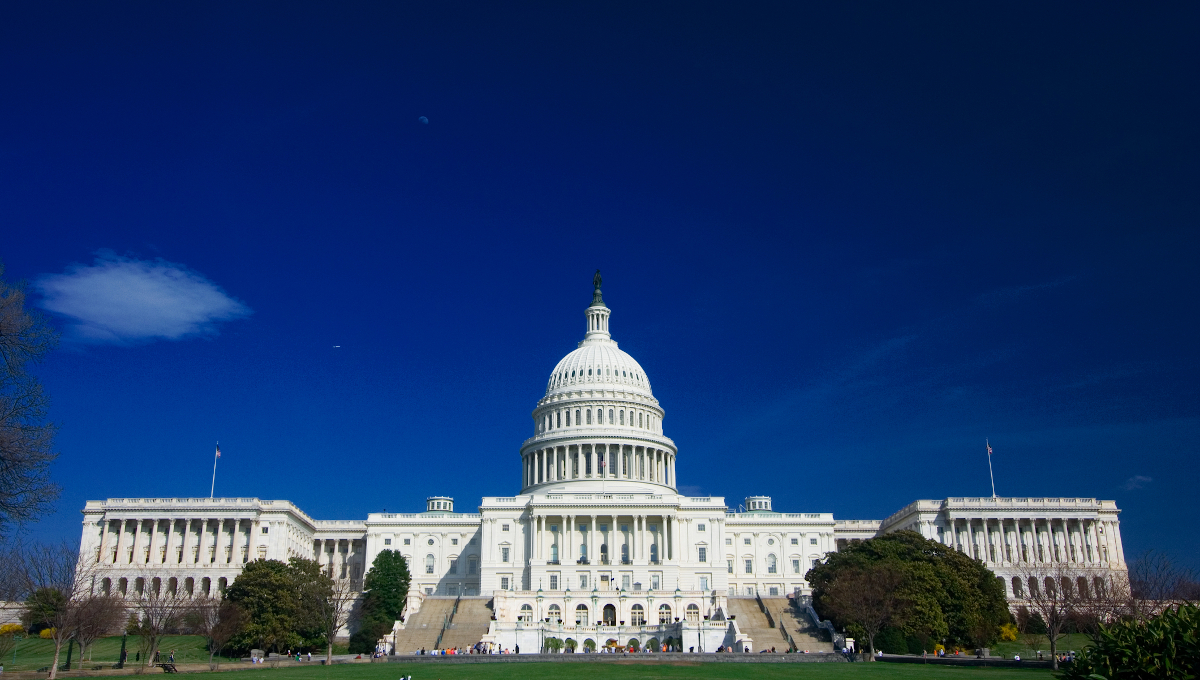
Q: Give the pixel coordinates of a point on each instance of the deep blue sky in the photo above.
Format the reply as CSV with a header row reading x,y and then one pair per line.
x,y
846,244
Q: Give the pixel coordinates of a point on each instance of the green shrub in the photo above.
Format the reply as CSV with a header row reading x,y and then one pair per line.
x,y
891,641
1166,646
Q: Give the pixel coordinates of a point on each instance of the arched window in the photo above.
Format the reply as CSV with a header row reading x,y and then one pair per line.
x,y
581,615
604,552
583,551
639,420
1051,590
1018,591
1033,587
637,615
429,559
554,553
625,553
664,613
554,613
156,585
693,613
1098,585
653,552
770,564
206,586
558,417
621,415
599,416
106,586
1081,584
139,586
610,416
189,585
222,584
526,614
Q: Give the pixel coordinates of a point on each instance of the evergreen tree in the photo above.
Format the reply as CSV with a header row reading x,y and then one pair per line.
x,y
276,601
386,586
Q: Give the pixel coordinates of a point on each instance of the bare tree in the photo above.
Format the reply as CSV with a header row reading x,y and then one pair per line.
x,y
1062,594
218,621
1154,578
869,597
162,610
26,439
55,569
96,615
332,608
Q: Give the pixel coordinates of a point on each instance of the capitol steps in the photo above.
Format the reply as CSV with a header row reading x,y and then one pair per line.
x,y
421,630
803,632
470,623
766,633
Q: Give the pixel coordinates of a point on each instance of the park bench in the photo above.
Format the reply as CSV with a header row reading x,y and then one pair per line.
x,y
168,667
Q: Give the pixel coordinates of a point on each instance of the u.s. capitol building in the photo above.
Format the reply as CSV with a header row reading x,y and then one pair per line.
x,y
598,538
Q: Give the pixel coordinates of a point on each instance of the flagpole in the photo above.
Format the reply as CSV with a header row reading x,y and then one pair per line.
x,y
990,474
217,454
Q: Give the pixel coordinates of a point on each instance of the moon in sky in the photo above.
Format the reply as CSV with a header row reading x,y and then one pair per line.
x,y
423,120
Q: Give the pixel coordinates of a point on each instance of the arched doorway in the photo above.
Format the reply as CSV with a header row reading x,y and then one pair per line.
x,y
610,615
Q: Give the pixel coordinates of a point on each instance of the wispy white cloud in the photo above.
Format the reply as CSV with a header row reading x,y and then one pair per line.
x,y
1136,482
121,300
1014,293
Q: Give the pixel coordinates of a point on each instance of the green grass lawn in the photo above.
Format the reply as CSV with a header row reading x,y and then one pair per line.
x,y
1066,643
34,653
635,670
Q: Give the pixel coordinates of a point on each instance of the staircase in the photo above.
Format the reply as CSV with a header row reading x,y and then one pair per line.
x,y
423,628
469,624
767,628
805,635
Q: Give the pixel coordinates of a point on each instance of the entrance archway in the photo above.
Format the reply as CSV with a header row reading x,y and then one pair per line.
x,y
610,615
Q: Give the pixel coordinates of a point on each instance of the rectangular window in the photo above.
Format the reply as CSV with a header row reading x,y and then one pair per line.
x,y
553,581
387,541
408,541
702,553
703,583
429,591
454,566
559,419
796,566
749,566
624,527
773,591
625,581
812,541
265,530
583,581
503,527
655,581
746,541
700,527
503,554
729,541
603,527
454,541
795,541
729,563
503,583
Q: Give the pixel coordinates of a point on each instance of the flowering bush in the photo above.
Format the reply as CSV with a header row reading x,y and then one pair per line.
x,y
47,633
1008,632
12,629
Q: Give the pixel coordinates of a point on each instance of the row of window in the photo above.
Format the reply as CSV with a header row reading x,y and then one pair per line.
x,y
155,586
453,541
772,565
637,614
431,563
1064,584
564,377
770,541
554,420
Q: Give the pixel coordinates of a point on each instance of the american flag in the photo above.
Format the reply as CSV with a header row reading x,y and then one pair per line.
x,y
218,450
989,449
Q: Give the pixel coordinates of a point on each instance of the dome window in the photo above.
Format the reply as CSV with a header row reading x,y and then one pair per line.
x,y
622,417
589,371
623,374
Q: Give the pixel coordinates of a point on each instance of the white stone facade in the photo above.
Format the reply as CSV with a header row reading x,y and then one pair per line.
x,y
598,524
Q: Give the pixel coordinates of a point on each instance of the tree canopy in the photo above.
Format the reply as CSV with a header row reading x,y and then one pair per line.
x,y
276,601
386,586
26,438
948,594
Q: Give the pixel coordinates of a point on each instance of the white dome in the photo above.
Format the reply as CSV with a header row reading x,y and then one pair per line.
x,y
600,364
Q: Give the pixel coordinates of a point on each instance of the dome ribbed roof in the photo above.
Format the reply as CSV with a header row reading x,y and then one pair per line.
x,y
598,365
